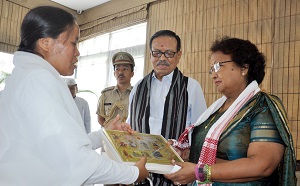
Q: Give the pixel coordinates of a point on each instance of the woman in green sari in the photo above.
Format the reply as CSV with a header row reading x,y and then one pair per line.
x,y
242,139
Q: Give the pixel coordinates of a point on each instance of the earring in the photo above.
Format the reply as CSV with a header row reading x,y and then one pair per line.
x,y
243,74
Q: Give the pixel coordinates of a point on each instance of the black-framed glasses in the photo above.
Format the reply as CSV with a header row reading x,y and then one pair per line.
x,y
216,67
168,54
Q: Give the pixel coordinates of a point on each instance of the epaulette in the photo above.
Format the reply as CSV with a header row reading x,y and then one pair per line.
x,y
107,89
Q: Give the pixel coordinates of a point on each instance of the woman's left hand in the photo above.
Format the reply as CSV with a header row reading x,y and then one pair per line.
x,y
185,175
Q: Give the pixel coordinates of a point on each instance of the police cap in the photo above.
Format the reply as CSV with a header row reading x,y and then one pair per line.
x,y
122,58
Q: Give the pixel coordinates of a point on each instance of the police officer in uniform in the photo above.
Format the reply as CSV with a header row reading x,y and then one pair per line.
x,y
114,100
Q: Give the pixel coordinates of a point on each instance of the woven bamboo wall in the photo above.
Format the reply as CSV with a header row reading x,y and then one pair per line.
x,y
11,16
273,25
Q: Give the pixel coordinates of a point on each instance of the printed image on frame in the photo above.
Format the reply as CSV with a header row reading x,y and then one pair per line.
x,y
131,147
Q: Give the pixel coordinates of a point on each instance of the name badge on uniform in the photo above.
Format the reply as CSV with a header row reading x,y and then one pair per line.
x,y
107,103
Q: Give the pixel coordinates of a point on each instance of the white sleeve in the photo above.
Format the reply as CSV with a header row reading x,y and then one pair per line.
x,y
87,117
95,138
196,100
111,172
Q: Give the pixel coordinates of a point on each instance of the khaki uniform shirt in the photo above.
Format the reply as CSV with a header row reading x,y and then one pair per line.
x,y
113,102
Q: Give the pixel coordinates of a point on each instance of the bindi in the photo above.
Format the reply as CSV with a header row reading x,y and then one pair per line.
x,y
162,45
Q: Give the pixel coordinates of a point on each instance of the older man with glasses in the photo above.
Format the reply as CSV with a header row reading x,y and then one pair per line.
x,y
165,101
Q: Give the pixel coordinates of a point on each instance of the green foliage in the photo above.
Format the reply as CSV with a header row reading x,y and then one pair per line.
x,y
3,75
89,91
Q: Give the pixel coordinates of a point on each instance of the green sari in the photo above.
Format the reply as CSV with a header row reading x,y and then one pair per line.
x,y
262,118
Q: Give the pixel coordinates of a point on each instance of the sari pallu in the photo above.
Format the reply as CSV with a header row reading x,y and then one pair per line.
x,y
287,167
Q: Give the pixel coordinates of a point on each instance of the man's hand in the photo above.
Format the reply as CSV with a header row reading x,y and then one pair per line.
x,y
143,172
116,124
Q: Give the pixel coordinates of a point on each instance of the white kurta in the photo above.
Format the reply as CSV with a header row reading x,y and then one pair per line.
x,y
159,91
84,110
42,136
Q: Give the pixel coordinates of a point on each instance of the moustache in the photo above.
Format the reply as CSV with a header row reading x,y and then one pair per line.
x,y
163,62
121,75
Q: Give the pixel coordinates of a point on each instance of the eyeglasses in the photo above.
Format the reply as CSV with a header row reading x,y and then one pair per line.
x,y
168,54
216,67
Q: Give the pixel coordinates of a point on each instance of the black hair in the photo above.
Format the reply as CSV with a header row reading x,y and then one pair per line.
x,y
243,53
166,33
42,22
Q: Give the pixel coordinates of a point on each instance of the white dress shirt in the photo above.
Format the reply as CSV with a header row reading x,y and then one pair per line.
x,y
158,94
84,110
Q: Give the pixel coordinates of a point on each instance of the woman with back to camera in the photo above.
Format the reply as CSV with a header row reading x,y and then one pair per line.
x,y
242,139
42,136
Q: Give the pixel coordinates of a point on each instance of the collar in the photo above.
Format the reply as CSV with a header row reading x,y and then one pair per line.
x,y
116,88
165,78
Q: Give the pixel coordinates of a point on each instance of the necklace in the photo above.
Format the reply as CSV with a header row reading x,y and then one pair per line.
x,y
213,118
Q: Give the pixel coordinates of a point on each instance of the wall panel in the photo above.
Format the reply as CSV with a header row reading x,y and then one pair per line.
x,y
273,25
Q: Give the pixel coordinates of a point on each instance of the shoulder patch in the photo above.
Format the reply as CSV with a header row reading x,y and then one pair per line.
x,y
107,89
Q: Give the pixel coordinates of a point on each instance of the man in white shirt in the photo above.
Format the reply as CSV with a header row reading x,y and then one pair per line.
x,y
165,101
81,103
